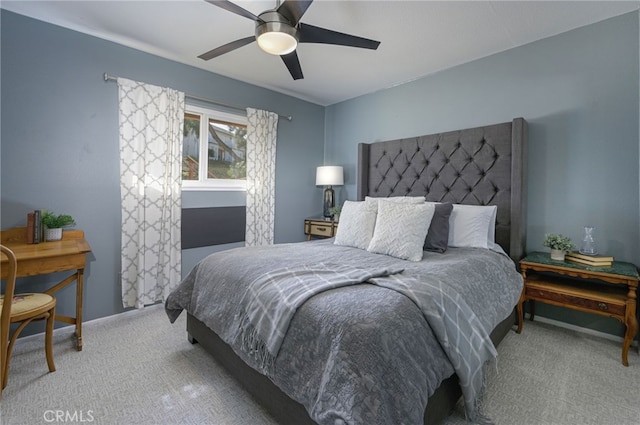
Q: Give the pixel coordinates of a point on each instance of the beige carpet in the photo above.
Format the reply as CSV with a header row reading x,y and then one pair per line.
x,y
136,368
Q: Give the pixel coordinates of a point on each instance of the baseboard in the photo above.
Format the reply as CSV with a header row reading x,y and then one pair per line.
x,y
71,328
542,319
580,329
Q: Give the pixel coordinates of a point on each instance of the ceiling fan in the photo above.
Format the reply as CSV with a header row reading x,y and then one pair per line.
x,y
278,32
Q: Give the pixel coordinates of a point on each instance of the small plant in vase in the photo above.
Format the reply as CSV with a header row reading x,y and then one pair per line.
x,y
335,212
53,225
559,245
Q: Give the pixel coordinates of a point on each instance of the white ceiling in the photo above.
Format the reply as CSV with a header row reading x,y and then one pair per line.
x,y
417,38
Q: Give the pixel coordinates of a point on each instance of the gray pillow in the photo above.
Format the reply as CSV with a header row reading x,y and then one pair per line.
x,y
437,239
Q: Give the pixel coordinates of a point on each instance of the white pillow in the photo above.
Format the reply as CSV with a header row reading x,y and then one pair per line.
x,y
357,221
401,229
401,199
472,226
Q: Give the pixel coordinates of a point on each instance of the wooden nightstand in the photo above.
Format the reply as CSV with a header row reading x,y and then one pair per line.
x,y
319,227
609,292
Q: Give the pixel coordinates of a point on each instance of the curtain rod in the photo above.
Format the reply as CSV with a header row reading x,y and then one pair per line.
x,y
108,77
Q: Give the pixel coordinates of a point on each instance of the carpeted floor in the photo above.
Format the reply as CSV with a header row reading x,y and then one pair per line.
x,y
136,368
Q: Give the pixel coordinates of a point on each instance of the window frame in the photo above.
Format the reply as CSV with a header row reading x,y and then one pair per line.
x,y
203,183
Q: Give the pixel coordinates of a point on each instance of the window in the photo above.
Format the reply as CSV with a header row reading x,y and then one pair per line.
x,y
218,163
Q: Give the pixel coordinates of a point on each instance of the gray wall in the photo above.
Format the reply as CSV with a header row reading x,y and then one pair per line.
x,y
579,93
60,144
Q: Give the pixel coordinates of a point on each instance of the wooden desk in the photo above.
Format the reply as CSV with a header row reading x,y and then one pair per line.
x,y
609,292
68,254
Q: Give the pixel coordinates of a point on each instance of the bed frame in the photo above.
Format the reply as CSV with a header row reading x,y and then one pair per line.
x,y
479,166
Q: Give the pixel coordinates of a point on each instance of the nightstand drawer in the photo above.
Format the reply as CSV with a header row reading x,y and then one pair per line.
x,y
605,306
321,230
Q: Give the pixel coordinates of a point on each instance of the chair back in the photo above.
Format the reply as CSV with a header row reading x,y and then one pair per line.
x,y
5,316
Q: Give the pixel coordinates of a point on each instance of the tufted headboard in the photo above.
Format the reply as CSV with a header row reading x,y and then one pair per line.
x,y
478,166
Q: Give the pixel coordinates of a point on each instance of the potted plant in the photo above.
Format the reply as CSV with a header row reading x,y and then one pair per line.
x,y
559,245
335,212
53,225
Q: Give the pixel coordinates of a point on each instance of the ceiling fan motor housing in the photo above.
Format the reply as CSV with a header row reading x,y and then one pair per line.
x,y
275,34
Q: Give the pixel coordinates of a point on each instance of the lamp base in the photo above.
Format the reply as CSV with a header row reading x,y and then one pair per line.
x,y
329,201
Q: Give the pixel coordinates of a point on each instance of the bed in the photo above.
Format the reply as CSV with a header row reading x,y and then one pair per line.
x,y
480,166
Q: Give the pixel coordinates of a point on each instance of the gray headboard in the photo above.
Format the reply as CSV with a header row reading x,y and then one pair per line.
x,y
478,166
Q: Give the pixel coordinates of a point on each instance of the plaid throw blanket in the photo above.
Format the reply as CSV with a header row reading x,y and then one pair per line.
x,y
271,300
461,334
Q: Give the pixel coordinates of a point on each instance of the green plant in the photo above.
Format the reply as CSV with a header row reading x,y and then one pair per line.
x,y
335,210
553,241
53,221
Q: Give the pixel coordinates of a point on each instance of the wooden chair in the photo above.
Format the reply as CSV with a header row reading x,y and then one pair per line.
x,y
22,309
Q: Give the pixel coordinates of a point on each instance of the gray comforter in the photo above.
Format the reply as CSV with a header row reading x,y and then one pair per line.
x,y
360,354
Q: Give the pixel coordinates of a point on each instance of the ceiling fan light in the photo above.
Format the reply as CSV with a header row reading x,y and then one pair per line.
x,y
275,35
277,43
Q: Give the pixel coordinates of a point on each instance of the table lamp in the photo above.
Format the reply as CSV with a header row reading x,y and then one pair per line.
x,y
329,176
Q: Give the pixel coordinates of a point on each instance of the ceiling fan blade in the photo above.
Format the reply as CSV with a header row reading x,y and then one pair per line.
x,y
293,65
294,9
234,8
311,34
227,48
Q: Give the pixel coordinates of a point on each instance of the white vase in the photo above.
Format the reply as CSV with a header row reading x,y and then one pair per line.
x,y
52,234
557,254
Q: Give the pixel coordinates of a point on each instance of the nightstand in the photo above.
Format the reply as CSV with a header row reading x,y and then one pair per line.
x,y
320,228
609,292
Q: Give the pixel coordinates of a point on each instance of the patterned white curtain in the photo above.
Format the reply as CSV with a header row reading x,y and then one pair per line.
x,y
262,131
151,121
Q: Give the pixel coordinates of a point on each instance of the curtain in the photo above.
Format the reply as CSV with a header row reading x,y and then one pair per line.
x,y
151,122
261,178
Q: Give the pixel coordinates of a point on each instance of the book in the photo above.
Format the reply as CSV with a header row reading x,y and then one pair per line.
x,y
37,226
589,260
575,254
587,263
30,224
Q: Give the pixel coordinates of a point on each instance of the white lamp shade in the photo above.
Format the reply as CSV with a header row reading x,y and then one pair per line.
x,y
329,175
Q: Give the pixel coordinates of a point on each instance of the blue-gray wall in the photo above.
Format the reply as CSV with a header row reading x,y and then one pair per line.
x,y
60,144
579,93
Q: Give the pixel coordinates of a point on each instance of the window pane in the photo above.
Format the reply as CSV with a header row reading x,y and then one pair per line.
x,y
191,147
227,149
